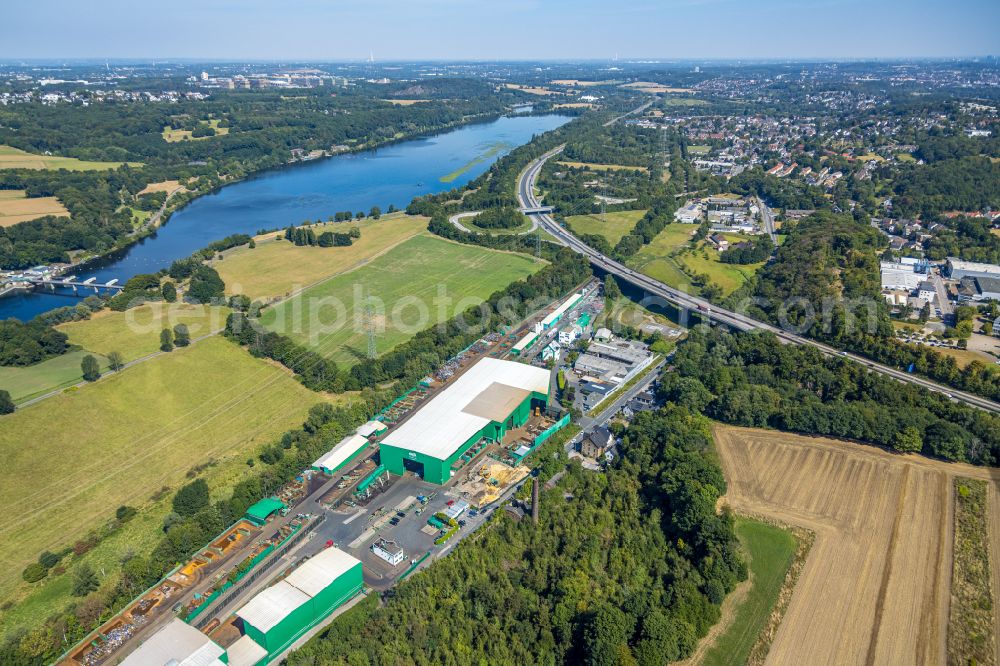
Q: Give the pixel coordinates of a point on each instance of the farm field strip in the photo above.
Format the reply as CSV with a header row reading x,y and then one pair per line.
x,y
14,158
617,224
876,586
16,207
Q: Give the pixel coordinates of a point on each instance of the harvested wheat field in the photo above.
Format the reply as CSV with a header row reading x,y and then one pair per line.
x,y
876,585
16,207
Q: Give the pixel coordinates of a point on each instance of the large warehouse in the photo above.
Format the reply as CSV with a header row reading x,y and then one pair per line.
x,y
486,401
179,644
281,613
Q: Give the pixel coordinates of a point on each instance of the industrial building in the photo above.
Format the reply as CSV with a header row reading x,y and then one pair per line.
x,y
958,269
344,452
615,361
388,551
259,512
524,343
556,315
900,276
487,400
283,612
979,289
178,644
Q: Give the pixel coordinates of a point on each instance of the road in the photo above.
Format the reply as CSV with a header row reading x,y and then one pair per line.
x,y
587,422
767,217
456,221
944,304
527,199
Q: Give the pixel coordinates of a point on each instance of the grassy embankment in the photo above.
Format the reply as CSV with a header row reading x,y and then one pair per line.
x,y
971,618
770,551
592,166
13,158
199,411
25,383
407,279
618,224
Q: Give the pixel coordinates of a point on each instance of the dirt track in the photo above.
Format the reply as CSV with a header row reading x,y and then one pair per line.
x,y
875,589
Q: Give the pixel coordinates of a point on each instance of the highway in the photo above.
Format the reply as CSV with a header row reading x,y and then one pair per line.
x,y
527,199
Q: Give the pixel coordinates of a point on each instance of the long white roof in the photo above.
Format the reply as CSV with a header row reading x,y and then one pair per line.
x,y
272,605
176,643
321,569
245,652
465,407
566,305
344,449
370,428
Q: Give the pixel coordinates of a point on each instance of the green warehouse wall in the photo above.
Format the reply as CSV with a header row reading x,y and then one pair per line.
x,y
437,470
337,592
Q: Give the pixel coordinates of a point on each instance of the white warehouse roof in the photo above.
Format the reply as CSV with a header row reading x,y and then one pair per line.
x,y
272,605
344,449
177,644
320,570
558,312
370,428
478,396
245,652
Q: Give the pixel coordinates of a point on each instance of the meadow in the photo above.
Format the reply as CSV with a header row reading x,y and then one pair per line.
x,y
593,166
26,382
616,225
13,158
135,332
171,135
277,268
73,459
16,207
407,282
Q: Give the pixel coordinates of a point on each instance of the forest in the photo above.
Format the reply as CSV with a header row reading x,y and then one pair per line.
x,y
625,567
750,379
29,343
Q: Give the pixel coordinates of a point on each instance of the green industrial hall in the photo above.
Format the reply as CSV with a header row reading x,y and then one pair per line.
x,y
487,400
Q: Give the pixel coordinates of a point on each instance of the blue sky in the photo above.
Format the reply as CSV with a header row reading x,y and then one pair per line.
x,y
497,29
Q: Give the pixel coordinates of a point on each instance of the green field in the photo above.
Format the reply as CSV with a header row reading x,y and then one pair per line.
x,y
13,158
120,440
698,150
28,382
277,268
729,277
617,224
771,551
171,135
406,280
136,332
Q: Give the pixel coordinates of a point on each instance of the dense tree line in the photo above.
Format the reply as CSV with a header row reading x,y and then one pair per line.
x,y
968,238
964,184
29,343
749,252
626,567
751,379
501,217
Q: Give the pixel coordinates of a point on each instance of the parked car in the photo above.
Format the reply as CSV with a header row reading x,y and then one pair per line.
x,y
450,502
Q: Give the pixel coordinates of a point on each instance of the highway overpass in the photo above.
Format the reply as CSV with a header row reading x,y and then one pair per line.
x,y
527,200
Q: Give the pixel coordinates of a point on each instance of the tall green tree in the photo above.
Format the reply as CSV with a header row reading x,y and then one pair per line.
x,y
116,361
85,581
182,337
166,340
91,369
6,403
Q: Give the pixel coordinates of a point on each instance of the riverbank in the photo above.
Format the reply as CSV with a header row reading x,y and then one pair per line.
x,y
381,172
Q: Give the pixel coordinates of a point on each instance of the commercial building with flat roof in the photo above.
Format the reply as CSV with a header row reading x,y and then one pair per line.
x,y
958,269
344,452
259,513
490,398
178,644
281,613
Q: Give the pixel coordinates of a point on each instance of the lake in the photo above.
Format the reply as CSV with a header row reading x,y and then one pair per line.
x,y
308,191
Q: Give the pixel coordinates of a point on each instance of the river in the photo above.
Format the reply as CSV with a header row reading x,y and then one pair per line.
x,y
309,191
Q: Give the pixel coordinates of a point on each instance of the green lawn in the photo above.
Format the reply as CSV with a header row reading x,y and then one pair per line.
x,y
771,551
72,459
729,277
28,382
419,282
618,224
